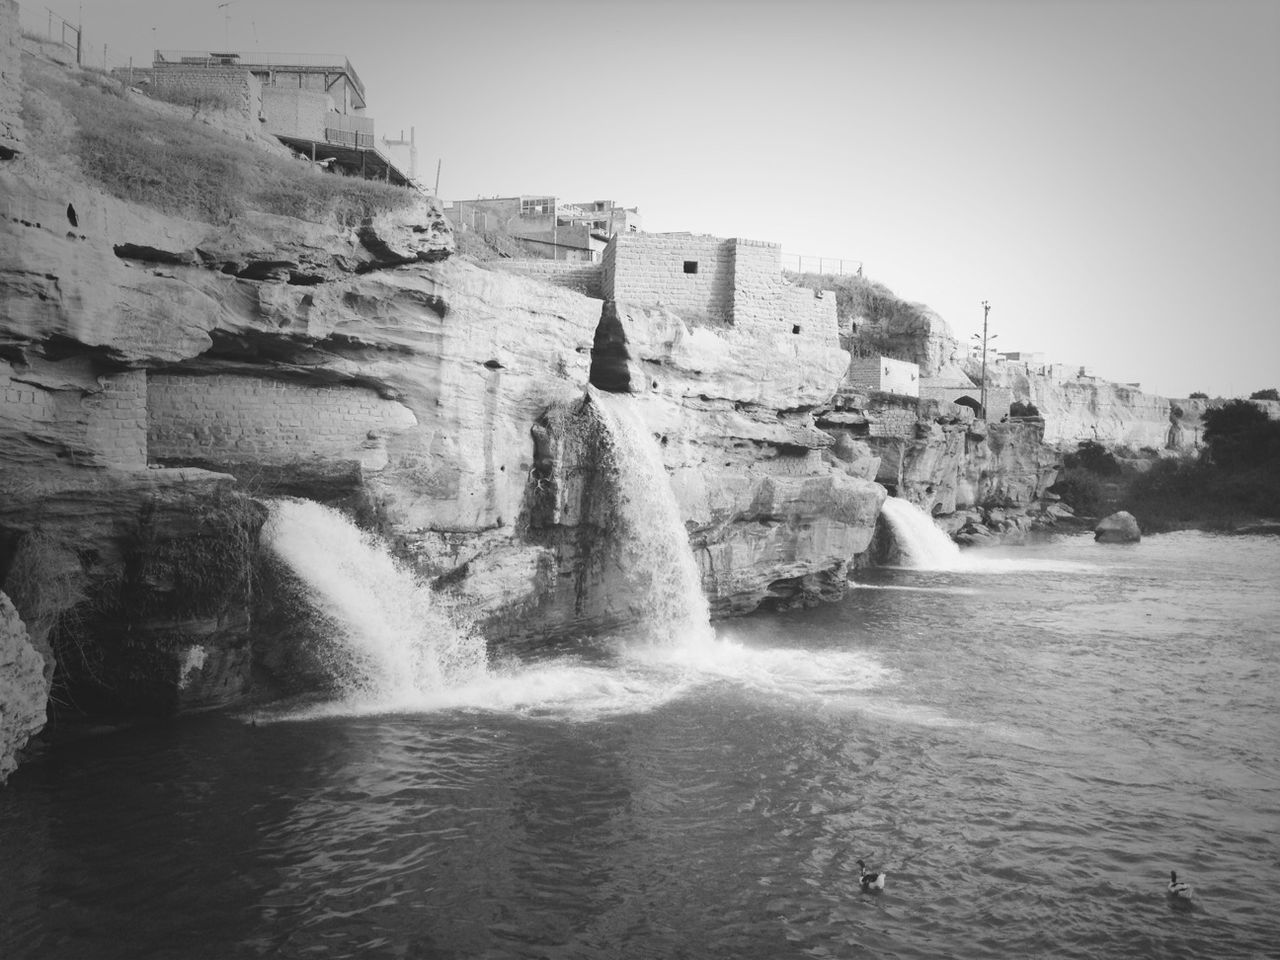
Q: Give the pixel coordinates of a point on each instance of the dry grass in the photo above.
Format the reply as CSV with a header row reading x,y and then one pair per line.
x,y
183,167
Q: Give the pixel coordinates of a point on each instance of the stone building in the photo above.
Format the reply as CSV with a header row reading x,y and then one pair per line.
x,y
314,104
884,375
546,226
730,282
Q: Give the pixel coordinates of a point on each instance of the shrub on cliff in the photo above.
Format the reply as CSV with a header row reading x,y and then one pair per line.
x,y
137,153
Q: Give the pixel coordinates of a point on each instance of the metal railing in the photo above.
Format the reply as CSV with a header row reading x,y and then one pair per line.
x,y
350,138
254,59
808,263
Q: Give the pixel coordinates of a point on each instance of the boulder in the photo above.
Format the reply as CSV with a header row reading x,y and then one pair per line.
x,y
1120,527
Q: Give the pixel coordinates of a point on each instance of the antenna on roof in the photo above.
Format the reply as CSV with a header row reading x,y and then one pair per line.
x,y
226,22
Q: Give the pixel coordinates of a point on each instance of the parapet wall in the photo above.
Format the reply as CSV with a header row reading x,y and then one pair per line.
x,y
11,134
237,86
227,418
584,278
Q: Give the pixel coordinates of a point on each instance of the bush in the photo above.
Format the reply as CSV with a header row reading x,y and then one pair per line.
x,y
1082,491
1268,394
1238,435
1198,395
1020,408
1093,457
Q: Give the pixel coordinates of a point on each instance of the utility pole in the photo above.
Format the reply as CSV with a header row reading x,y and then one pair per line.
x,y
986,309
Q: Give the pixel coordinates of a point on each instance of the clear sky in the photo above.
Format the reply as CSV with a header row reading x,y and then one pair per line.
x,y
1106,174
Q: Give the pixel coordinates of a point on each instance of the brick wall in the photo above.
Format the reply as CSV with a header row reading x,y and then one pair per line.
x,y
107,427
900,377
10,80
296,113
649,268
117,427
242,89
584,278
228,418
757,284
813,311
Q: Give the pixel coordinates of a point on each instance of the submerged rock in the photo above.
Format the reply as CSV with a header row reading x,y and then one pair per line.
x,y
1120,527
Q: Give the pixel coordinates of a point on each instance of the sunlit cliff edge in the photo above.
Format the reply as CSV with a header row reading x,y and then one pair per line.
x,y
162,374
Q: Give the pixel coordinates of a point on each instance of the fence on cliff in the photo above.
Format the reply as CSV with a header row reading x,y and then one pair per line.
x,y
809,263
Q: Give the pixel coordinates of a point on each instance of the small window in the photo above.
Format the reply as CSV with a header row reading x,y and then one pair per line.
x,y
691,266
795,328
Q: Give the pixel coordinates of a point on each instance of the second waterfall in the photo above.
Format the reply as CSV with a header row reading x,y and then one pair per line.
x,y
654,551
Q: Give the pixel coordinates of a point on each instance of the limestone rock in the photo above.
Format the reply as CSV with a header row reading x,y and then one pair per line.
x,y
1120,527
24,688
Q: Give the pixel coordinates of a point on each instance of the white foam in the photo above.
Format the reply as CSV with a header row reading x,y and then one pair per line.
x,y
393,641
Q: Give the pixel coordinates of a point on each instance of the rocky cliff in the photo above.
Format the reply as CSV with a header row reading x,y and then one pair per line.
x,y
163,375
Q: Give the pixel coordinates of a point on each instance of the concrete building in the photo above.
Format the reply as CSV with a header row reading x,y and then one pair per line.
x,y
546,226
884,375
314,104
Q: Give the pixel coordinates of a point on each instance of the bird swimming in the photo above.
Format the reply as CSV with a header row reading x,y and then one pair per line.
x,y
869,881
1178,888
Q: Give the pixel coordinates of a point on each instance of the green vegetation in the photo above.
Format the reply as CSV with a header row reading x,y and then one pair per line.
x,y
1235,480
143,154
1268,394
1198,395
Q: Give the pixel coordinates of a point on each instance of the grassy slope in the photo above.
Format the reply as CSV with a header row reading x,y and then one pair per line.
x,y
80,122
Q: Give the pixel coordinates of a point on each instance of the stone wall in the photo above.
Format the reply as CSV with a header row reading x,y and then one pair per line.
x,y
691,275
226,418
117,422
757,284
899,377
241,89
10,81
584,278
296,113
92,421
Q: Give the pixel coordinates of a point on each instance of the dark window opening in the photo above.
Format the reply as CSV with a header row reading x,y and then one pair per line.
x,y
691,266
795,328
71,216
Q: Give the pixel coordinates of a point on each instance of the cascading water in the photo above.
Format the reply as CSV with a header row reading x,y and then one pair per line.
x,y
388,640
919,540
654,545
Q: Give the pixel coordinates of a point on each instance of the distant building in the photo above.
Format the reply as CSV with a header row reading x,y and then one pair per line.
x,y
545,226
314,104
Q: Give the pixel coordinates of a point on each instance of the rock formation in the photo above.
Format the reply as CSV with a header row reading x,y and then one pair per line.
x,y
24,687
1120,527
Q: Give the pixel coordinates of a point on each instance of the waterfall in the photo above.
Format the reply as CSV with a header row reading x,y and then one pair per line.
x,y
919,540
653,545
387,639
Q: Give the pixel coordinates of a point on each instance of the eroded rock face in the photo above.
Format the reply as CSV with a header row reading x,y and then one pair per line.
x,y
145,359
24,688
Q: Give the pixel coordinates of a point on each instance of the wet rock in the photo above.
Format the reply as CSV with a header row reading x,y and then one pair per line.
x,y
1120,527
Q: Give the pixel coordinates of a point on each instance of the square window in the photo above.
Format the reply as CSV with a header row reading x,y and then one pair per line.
x,y
691,266
795,328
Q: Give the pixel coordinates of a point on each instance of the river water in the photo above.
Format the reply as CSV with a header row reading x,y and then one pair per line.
x,y
1026,742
